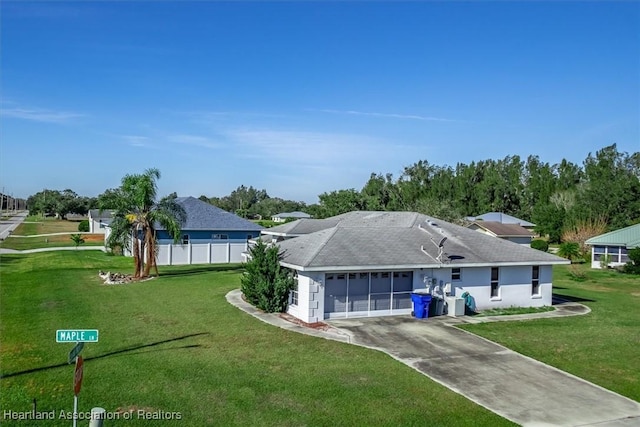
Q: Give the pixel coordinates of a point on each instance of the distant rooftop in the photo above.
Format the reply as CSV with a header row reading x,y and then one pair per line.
x,y
502,218
628,237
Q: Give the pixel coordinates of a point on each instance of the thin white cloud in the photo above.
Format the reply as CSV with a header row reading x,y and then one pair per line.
x,y
40,115
199,141
315,151
386,115
136,141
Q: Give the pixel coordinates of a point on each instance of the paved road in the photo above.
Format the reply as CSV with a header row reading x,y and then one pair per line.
x,y
8,225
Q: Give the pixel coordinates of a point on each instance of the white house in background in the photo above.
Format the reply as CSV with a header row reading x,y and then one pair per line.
x,y
284,216
368,263
512,232
502,218
616,244
98,221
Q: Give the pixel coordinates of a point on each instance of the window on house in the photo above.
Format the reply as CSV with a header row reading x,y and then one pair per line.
x,y
220,236
599,252
614,253
293,295
185,239
456,274
624,255
535,280
495,285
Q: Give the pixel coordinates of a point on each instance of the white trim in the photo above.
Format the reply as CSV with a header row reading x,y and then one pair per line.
x,y
418,266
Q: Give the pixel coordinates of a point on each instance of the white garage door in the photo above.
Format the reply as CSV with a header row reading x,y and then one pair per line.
x,y
367,294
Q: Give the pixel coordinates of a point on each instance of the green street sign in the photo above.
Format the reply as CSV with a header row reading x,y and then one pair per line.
x,y
77,335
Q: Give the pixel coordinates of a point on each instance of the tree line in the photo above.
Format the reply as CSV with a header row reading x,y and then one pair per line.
x,y
558,198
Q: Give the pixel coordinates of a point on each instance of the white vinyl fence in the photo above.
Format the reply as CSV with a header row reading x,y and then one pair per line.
x,y
229,251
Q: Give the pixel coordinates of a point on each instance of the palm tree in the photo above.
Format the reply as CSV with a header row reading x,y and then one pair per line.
x,y
137,215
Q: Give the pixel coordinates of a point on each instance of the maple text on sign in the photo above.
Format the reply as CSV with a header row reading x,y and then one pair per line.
x,y
77,335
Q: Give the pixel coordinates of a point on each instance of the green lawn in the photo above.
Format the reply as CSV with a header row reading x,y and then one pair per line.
x,y
175,344
37,225
602,347
46,226
24,243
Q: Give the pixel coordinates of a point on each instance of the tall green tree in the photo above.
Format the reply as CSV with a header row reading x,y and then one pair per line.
x,y
266,284
136,215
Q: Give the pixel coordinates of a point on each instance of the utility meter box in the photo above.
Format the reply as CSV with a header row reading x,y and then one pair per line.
x,y
455,306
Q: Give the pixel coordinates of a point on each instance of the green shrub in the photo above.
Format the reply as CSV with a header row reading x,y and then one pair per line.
x,y
540,245
83,225
265,283
77,239
577,274
569,250
633,266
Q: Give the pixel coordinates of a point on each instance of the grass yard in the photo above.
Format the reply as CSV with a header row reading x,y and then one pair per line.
x,y
602,347
62,240
174,344
38,225
46,226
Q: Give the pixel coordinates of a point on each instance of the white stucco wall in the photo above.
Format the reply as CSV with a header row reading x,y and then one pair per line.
x,y
310,306
514,290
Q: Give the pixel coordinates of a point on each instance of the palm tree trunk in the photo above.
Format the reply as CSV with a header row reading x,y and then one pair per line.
x,y
136,254
151,256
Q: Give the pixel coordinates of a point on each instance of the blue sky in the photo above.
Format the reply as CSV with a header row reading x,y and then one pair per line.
x,y
300,98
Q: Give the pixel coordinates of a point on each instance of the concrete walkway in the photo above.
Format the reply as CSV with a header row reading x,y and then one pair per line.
x,y
514,386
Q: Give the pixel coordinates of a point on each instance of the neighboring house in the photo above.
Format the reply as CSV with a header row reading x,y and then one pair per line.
x,y
210,235
614,244
502,218
368,263
98,221
282,217
512,232
296,228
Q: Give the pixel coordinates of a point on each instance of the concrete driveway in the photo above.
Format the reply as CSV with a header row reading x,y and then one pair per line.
x,y
514,386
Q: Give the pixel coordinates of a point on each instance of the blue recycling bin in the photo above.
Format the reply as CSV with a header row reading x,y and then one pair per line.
x,y
421,305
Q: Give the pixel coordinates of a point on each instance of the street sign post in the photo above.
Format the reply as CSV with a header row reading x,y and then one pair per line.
x,y
77,383
77,335
77,375
75,351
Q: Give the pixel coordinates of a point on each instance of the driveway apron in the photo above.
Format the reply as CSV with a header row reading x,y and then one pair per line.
x,y
514,386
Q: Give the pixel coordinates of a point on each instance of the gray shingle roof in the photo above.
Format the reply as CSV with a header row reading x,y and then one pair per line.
x,y
96,214
296,214
301,226
501,218
403,239
204,216
502,230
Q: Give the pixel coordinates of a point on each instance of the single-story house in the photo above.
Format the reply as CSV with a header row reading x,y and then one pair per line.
x,y
369,263
615,245
284,216
502,218
98,221
511,232
210,235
